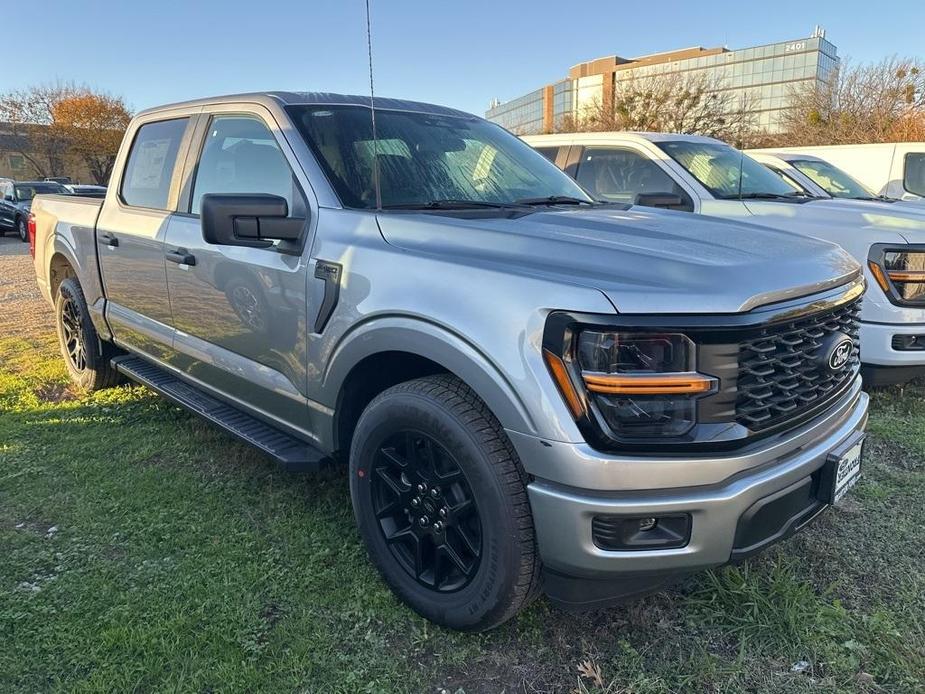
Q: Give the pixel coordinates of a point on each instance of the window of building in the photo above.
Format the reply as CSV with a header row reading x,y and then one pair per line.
x,y
17,162
240,155
151,162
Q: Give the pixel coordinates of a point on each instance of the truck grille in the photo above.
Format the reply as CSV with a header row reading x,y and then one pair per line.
x,y
783,372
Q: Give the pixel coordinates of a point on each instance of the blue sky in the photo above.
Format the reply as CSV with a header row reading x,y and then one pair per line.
x,y
459,53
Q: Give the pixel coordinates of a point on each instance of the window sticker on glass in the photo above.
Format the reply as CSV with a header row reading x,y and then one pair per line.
x,y
148,171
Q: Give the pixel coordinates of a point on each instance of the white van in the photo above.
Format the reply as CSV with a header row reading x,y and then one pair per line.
x,y
706,176
892,169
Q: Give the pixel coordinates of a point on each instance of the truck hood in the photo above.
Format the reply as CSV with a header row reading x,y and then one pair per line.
x,y
643,260
835,219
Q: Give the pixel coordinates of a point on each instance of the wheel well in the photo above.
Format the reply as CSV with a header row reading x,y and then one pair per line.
x,y
370,377
58,270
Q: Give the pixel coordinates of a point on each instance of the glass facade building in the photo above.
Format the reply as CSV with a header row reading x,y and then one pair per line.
x,y
760,79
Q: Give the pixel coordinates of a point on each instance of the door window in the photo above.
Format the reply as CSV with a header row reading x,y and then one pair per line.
x,y
619,175
240,155
914,175
151,162
549,152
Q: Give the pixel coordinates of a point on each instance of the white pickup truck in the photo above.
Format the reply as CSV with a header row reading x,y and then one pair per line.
x,y
706,176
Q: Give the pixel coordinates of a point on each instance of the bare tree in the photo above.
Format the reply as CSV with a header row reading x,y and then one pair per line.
x,y
28,115
876,102
673,102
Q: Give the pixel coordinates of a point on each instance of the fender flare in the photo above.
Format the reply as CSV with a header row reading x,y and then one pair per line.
x,y
440,345
88,277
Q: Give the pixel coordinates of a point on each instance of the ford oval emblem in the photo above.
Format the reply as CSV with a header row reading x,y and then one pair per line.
x,y
840,353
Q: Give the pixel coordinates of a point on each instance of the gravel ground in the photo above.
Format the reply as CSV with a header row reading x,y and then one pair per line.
x,y
23,312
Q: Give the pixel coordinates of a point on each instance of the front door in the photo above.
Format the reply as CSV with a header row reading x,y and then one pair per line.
x,y
240,313
130,238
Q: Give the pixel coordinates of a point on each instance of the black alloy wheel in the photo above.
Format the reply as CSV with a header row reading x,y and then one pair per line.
x,y
426,511
440,498
72,340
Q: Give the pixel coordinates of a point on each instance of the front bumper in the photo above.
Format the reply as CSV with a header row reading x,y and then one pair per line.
x,y
563,514
877,344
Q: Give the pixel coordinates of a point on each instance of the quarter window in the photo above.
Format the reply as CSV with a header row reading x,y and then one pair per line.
x,y
240,155
914,175
151,162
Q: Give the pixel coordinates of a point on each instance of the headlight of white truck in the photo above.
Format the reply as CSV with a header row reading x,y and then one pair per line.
x,y
900,272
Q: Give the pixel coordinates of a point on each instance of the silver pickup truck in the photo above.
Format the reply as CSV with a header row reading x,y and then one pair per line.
x,y
531,391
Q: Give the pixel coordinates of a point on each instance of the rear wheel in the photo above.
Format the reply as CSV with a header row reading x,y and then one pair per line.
x,y
85,356
22,229
440,499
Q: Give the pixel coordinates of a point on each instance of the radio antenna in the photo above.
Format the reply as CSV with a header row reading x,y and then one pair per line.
x,y
372,110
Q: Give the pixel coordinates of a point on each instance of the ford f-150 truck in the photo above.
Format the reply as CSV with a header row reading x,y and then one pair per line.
x,y
531,391
704,175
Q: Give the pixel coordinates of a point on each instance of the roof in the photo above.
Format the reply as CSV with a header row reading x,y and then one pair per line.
x,y
786,156
293,98
622,135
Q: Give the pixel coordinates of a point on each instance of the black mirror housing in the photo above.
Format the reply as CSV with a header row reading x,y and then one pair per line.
x,y
670,201
253,219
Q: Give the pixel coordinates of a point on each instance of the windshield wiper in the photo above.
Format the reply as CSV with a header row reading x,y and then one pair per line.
x,y
768,196
448,204
553,200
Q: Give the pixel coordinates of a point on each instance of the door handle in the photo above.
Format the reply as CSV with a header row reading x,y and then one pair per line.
x,y
110,240
181,256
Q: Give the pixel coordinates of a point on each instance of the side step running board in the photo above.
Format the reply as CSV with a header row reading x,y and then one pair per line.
x,y
293,454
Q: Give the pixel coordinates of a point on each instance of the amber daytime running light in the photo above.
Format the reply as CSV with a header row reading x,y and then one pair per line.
x,y
634,385
900,273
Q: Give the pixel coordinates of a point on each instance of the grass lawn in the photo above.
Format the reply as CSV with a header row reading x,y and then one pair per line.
x,y
141,550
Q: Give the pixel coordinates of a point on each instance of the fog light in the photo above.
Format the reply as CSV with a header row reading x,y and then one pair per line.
x,y
909,343
641,532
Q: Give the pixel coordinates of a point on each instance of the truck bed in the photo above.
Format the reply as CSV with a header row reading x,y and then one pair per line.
x,y
65,230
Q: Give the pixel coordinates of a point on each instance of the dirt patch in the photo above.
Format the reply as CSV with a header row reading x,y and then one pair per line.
x,y
23,311
55,393
893,454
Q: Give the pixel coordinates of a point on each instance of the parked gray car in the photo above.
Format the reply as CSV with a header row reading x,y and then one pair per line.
x,y
531,391
16,201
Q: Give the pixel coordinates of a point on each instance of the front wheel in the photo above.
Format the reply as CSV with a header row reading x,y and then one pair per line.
x,y
22,229
85,356
441,502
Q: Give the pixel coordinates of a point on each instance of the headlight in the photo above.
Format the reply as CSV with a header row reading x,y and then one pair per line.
x,y
635,384
900,273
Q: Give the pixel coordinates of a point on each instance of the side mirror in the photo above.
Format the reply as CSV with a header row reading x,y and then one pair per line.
x,y
254,220
8,198
669,201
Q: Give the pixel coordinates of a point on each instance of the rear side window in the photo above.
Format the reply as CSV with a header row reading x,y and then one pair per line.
x,y
549,152
619,175
151,161
914,174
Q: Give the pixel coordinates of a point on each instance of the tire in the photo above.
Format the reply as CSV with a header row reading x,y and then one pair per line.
x,y
85,355
22,230
450,442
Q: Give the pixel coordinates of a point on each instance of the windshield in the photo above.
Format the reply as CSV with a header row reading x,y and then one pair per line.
x,y
726,172
27,192
832,180
426,159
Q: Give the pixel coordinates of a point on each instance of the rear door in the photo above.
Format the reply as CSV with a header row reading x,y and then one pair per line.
x,y
131,230
241,313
